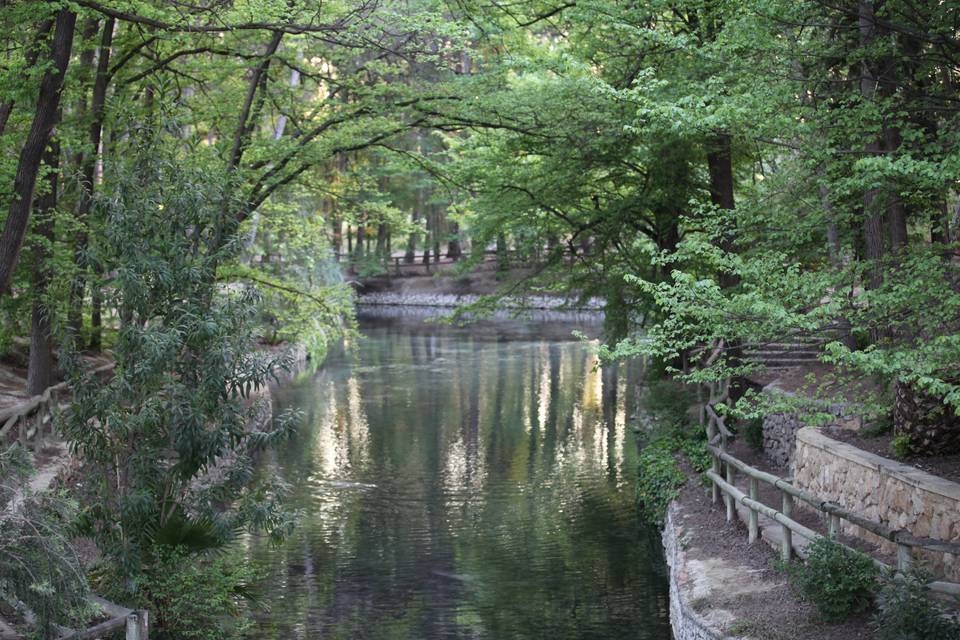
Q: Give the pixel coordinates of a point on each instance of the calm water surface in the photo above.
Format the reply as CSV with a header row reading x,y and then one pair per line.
x,y
463,483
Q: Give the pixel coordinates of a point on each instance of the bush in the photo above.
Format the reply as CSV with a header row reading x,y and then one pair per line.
x,y
901,446
753,433
697,454
838,580
906,612
38,566
659,479
194,596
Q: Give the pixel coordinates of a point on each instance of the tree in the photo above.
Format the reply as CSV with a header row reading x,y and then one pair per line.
x,y
44,118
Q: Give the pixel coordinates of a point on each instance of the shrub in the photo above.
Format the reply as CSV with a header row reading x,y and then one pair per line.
x,y
659,479
753,433
838,580
901,446
697,454
906,612
38,566
193,596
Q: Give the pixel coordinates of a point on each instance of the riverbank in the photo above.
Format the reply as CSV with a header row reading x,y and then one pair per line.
x,y
452,300
448,289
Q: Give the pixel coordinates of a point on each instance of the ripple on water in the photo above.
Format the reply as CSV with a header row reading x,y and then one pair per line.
x,y
455,487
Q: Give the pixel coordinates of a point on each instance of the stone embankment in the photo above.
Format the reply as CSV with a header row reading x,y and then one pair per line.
x,y
688,583
451,300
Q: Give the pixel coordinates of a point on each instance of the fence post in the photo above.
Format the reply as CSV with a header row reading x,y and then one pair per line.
x,y
786,543
715,488
754,524
38,429
904,557
137,625
731,507
834,529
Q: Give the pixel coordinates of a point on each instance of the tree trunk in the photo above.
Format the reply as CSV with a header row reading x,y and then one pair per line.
x,y
89,181
454,248
873,231
337,239
896,210
435,233
411,253
503,259
361,239
45,115
40,367
720,168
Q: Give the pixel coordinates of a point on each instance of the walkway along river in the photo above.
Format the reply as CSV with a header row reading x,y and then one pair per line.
x,y
463,483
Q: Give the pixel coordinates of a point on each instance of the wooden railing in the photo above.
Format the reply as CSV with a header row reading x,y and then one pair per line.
x,y
723,480
30,418
136,624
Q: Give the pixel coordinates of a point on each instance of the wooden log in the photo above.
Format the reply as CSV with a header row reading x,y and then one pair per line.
x,y
721,424
786,542
834,509
754,525
731,479
714,489
834,527
773,514
37,431
946,588
904,563
96,631
8,425
137,625
904,558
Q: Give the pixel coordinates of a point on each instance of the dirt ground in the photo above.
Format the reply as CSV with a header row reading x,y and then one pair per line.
x,y
945,466
773,610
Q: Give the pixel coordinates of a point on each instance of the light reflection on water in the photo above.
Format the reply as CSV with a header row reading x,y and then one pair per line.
x,y
463,483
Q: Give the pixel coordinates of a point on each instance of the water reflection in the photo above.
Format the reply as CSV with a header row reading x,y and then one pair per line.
x,y
463,484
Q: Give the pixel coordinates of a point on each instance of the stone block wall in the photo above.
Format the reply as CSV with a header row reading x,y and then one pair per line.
x,y
780,430
779,437
899,495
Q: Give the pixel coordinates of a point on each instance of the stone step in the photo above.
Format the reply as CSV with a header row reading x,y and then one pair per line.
x,y
784,364
773,355
782,346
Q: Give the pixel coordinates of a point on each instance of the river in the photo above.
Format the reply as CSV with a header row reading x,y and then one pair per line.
x,y
462,483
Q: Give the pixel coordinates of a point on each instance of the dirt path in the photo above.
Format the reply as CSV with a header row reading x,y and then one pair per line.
x,y
736,586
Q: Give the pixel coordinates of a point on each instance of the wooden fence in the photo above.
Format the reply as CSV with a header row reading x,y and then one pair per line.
x,y
723,479
29,420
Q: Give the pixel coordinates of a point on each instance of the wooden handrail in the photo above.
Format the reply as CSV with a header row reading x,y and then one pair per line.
x,y
905,541
899,536
10,416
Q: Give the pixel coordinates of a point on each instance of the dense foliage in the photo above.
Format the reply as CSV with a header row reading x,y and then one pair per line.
x,y
906,611
38,566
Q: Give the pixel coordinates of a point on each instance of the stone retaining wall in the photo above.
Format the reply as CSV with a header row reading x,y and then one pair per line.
x,y
899,495
780,429
432,299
